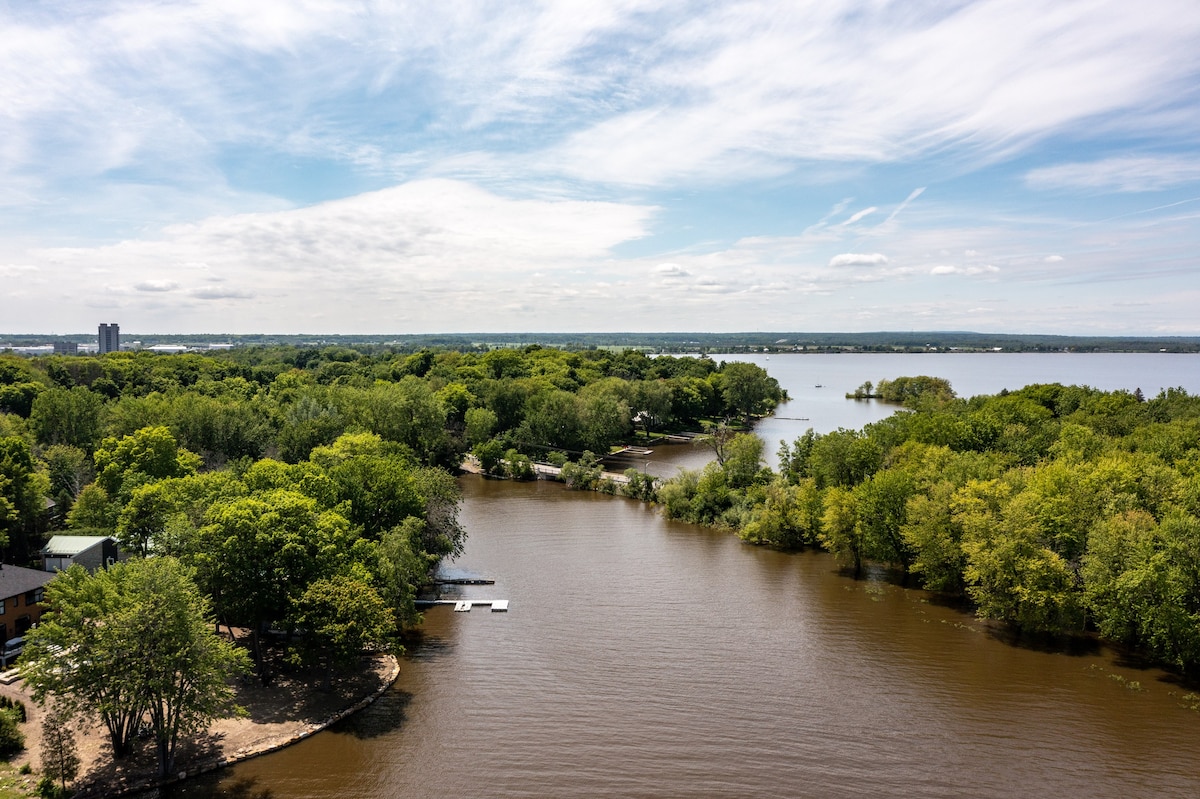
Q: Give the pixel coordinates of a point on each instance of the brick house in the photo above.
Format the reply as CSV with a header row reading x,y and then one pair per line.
x,y
20,599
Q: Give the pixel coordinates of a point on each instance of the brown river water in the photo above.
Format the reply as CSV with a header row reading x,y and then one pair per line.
x,y
647,658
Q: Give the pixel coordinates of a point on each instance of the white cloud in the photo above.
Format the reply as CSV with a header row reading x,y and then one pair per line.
x,y
748,87
411,246
1053,259
220,294
1128,174
156,285
950,269
858,259
669,270
856,217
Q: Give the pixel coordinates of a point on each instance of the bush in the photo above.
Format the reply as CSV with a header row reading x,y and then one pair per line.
x,y
49,789
12,740
15,705
519,466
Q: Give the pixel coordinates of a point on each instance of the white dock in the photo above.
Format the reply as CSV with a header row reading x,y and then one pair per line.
x,y
465,605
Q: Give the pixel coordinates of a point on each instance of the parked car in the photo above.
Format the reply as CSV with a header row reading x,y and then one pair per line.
x,y
12,649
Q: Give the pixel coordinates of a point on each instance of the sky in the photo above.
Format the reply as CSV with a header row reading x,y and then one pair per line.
x,y
318,166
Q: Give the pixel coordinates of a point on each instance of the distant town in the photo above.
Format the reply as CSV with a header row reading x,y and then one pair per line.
x,y
108,338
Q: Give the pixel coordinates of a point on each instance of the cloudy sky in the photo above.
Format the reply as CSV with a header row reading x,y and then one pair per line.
x,y
371,167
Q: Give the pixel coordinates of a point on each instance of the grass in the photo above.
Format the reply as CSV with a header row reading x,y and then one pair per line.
x,y
14,784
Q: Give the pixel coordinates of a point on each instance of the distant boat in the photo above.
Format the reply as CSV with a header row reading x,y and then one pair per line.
x,y
818,385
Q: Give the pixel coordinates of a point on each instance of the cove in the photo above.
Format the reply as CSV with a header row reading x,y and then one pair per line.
x,y
642,657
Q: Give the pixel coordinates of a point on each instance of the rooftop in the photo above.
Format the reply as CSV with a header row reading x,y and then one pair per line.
x,y
16,580
68,546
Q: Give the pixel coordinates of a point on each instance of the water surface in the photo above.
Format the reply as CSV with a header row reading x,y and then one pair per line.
x,y
648,658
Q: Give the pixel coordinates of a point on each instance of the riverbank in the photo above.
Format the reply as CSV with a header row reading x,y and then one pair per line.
x,y
291,709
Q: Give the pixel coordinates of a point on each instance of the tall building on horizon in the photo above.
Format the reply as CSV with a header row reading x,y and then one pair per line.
x,y
110,338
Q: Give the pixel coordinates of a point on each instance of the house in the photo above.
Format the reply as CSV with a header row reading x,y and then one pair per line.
x,y
89,551
20,599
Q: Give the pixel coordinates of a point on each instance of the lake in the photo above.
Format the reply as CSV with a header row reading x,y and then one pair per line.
x,y
648,658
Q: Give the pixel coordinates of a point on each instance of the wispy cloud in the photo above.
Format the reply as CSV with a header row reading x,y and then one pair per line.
x,y
1133,174
863,213
439,166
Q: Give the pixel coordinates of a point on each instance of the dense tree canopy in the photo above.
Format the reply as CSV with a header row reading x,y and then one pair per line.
x,y
1052,509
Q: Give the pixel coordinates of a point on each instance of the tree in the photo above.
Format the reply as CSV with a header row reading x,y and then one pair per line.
x,y
92,511
150,453
21,490
743,459
881,501
479,425
748,389
717,437
256,555
67,416
935,539
69,469
1014,577
130,641
341,616
60,756
182,668
143,518
840,531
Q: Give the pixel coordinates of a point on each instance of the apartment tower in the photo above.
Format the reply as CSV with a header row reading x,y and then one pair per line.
x,y
110,338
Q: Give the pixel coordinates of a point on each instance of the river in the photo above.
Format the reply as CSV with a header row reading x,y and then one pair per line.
x,y
648,658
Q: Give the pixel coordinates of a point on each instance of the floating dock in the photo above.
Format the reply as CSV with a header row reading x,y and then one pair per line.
x,y
465,605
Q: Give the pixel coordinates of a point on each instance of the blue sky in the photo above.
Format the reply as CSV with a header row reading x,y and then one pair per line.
x,y
373,167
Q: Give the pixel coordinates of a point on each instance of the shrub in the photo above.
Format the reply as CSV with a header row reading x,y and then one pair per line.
x,y
12,740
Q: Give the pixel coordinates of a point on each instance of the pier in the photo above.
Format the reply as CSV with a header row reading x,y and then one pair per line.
x,y
465,605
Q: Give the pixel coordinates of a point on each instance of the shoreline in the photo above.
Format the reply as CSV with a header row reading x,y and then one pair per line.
x,y
227,741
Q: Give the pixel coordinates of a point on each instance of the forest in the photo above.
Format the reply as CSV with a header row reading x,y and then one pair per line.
x,y
309,491
303,496
314,464
1054,509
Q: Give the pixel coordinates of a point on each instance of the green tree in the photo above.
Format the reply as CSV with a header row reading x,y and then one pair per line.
x,y
881,501
490,455
144,517
341,616
182,669
69,469
1142,584
93,511
480,423
840,531
748,390
148,454
743,460
60,755
257,554
932,534
1013,576
67,416
17,398
21,491
131,640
